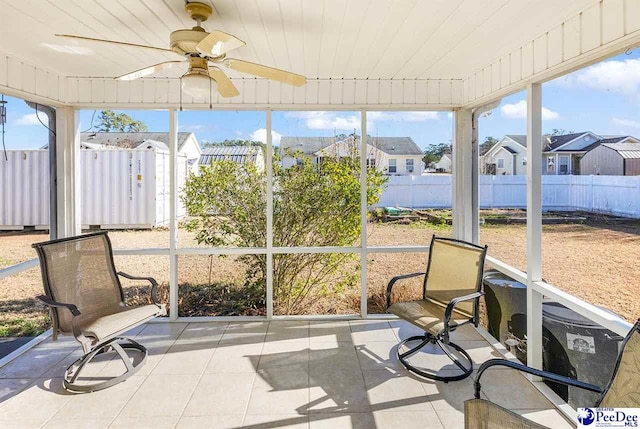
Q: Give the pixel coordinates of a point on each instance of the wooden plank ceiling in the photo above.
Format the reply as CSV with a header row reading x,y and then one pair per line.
x,y
350,39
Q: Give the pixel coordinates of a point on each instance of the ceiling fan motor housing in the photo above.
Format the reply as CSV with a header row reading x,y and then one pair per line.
x,y
184,41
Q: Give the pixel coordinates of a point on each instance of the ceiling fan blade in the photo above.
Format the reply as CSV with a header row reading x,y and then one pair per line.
x,y
134,45
226,88
266,72
147,70
218,43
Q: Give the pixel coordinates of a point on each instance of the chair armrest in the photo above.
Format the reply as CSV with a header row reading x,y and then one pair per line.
x,y
154,285
395,280
539,373
51,303
449,310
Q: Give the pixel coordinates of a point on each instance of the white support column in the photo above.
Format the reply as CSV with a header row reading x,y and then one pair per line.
x,y
173,220
462,175
269,169
534,224
475,180
363,214
68,172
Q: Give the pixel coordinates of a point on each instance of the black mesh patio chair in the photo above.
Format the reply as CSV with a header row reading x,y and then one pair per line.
x,y
451,293
85,298
622,391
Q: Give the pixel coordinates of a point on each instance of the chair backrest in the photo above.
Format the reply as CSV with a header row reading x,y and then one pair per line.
x,y
623,391
80,271
455,269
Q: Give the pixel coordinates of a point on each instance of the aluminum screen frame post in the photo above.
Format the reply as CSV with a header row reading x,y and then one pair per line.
x,y
534,224
173,220
462,175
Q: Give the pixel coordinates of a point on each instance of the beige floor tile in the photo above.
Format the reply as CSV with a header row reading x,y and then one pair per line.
x,y
103,404
184,358
288,331
204,334
368,331
218,394
466,333
280,391
244,333
449,396
451,418
210,422
337,391
269,421
511,390
407,420
237,358
378,355
403,329
22,423
342,421
328,357
41,400
158,333
144,423
390,391
550,418
330,331
34,362
284,355
58,370
12,386
63,341
161,396
77,424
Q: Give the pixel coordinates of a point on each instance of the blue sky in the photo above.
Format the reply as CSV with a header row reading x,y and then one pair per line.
x,y
603,98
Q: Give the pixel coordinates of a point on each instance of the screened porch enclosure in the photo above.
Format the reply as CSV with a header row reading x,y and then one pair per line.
x,y
450,60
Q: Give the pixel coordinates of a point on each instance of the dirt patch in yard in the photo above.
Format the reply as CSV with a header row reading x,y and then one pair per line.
x,y
596,261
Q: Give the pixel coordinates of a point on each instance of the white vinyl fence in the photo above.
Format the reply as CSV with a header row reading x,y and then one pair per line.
x,y
122,188
616,195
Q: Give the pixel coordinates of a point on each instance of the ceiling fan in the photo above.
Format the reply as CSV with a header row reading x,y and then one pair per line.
x,y
204,52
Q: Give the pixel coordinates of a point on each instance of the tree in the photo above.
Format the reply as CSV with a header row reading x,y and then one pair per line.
x,y
559,132
312,206
487,144
119,122
235,142
433,153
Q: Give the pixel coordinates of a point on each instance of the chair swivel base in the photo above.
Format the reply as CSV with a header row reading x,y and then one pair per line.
x,y
120,345
466,368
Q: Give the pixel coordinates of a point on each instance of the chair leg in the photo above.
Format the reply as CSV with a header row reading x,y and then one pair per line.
x,y
427,338
73,372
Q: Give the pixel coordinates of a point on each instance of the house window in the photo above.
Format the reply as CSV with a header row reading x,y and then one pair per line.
x,y
409,165
563,167
371,163
500,163
392,166
550,164
524,161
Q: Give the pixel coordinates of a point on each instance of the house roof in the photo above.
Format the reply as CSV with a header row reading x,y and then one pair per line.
x,y
554,142
518,138
389,145
131,140
626,150
237,154
508,149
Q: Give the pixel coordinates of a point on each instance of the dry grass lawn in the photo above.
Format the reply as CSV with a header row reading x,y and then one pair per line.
x,y
599,263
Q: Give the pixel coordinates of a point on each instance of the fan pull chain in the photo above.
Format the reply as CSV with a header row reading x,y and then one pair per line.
x,y
181,93
210,95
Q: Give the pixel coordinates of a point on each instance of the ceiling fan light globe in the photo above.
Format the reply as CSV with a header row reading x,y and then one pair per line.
x,y
196,85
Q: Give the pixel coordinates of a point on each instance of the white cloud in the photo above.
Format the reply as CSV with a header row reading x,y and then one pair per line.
x,y
327,120
450,115
519,111
261,135
346,122
193,128
616,76
626,122
31,119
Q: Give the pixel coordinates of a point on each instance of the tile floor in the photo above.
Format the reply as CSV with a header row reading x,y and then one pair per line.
x,y
282,374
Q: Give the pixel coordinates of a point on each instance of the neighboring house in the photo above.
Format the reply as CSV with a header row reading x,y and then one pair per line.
x,y
444,164
238,154
507,157
612,159
561,154
392,155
